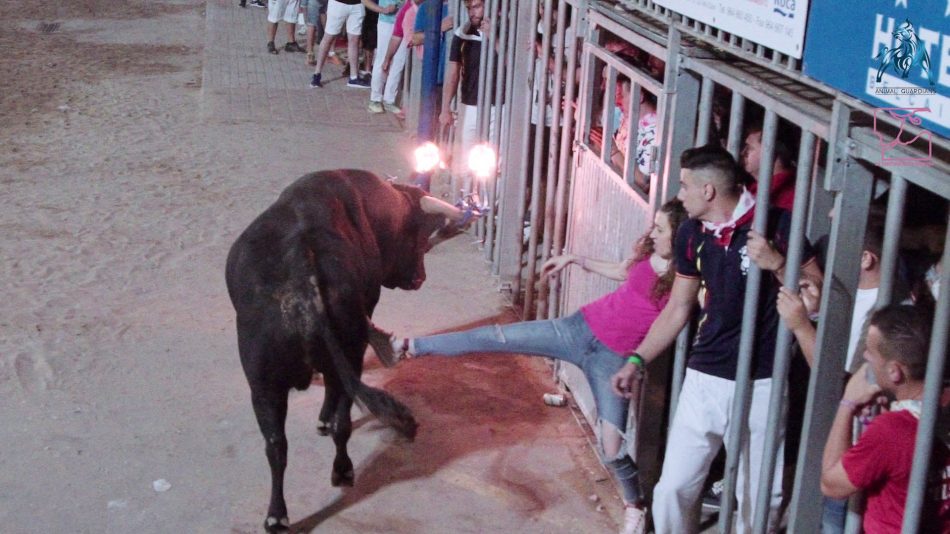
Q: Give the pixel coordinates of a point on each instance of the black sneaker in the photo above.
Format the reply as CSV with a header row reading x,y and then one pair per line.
x,y
315,81
259,3
271,48
358,83
243,3
294,47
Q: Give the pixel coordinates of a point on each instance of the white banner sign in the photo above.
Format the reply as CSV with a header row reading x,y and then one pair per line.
x,y
777,24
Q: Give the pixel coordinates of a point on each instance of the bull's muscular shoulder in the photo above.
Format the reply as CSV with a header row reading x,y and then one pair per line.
x,y
357,190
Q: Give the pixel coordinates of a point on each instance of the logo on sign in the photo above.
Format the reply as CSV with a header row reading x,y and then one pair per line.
x,y
893,158
786,8
908,53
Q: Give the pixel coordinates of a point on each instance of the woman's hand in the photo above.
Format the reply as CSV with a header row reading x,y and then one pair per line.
x,y
622,381
555,264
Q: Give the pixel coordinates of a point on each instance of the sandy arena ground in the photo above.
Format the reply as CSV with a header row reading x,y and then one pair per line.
x,y
123,187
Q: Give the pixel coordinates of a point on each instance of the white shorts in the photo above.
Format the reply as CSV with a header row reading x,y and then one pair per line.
x,y
285,10
338,13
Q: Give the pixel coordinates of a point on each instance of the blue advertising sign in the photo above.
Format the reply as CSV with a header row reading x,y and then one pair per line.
x,y
892,54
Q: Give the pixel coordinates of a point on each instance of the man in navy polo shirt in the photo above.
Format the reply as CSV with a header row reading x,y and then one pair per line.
x,y
713,251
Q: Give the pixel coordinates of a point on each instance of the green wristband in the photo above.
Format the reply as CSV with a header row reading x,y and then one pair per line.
x,y
635,359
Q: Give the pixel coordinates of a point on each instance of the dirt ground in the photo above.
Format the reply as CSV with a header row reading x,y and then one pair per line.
x,y
118,360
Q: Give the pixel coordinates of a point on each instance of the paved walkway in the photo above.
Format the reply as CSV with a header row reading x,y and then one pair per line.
x,y
242,82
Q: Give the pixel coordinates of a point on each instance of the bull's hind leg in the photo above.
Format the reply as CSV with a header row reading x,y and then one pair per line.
x,y
270,407
342,428
330,399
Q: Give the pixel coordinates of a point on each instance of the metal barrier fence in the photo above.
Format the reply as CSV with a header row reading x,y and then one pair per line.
x,y
558,190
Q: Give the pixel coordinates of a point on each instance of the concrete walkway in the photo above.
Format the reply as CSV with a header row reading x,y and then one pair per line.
x,y
490,456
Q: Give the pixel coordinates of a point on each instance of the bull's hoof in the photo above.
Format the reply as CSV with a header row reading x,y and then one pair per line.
x,y
323,429
345,478
274,525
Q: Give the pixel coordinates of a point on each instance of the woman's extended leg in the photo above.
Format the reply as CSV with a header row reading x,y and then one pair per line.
x,y
566,339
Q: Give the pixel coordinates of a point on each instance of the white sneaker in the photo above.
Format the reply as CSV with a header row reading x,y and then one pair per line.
x,y
634,520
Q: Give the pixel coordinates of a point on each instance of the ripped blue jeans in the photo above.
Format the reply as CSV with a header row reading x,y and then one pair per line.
x,y
567,339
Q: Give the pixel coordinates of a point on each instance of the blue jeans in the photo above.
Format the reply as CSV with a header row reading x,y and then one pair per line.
x,y
833,515
567,339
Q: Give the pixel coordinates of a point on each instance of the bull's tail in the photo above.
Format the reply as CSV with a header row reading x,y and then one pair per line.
x,y
381,404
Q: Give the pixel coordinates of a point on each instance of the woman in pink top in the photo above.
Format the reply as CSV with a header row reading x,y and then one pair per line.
x,y
596,339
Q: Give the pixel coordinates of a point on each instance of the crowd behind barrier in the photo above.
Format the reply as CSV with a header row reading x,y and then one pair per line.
x,y
809,332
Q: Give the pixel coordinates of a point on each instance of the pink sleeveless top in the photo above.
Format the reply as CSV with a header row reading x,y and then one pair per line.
x,y
620,320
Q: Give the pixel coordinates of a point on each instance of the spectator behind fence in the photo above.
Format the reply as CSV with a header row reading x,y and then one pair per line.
x,y
595,339
368,35
382,96
464,57
782,190
879,464
646,133
339,13
396,54
285,10
716,248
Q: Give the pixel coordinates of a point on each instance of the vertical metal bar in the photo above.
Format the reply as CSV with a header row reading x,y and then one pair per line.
x,y
497,113
679,370
736,118
840,285
544,311
743,392
682,96
430,69
933,383
527,30
560,211
483,59
541,80
783,344
633,123
892,234
705,112
610,101
509,27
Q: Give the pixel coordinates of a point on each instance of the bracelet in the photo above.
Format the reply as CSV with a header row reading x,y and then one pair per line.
x,y
635,359
851,405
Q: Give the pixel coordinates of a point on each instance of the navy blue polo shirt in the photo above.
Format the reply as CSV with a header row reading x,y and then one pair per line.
x,y
723,266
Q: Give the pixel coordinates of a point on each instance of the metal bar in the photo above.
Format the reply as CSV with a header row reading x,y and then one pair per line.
x,y
623,67
483,59
933,383
840,285
567,135
705,112
610,101
497,112
527,13
750,311
682,95
633,124
544,310
679,370
783,344
430,70
736,118
541,82
892,235
509,27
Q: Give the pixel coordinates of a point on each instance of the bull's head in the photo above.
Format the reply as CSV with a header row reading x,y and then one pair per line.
x,y
431,223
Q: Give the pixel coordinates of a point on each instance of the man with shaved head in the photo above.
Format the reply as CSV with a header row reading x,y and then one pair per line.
x,y
714,251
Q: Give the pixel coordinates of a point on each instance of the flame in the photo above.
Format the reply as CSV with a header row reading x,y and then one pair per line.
x,y
427,157
482,160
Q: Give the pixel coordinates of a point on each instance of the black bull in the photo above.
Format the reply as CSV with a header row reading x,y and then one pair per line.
x,y
304,279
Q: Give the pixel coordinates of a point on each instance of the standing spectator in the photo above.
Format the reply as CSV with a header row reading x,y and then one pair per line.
x,y
384,32
315,15
397,52
782,190
339,13
286,10
464,57
368,35
646,133
715,248
418,39
879,464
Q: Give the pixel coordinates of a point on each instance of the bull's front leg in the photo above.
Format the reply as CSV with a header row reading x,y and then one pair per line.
x,y
270,407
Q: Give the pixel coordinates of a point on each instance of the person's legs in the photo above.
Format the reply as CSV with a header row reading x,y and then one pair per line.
x,y
750,460
336,18
567,338
394,78
354,26
469,134
352,50
694,439
384,31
